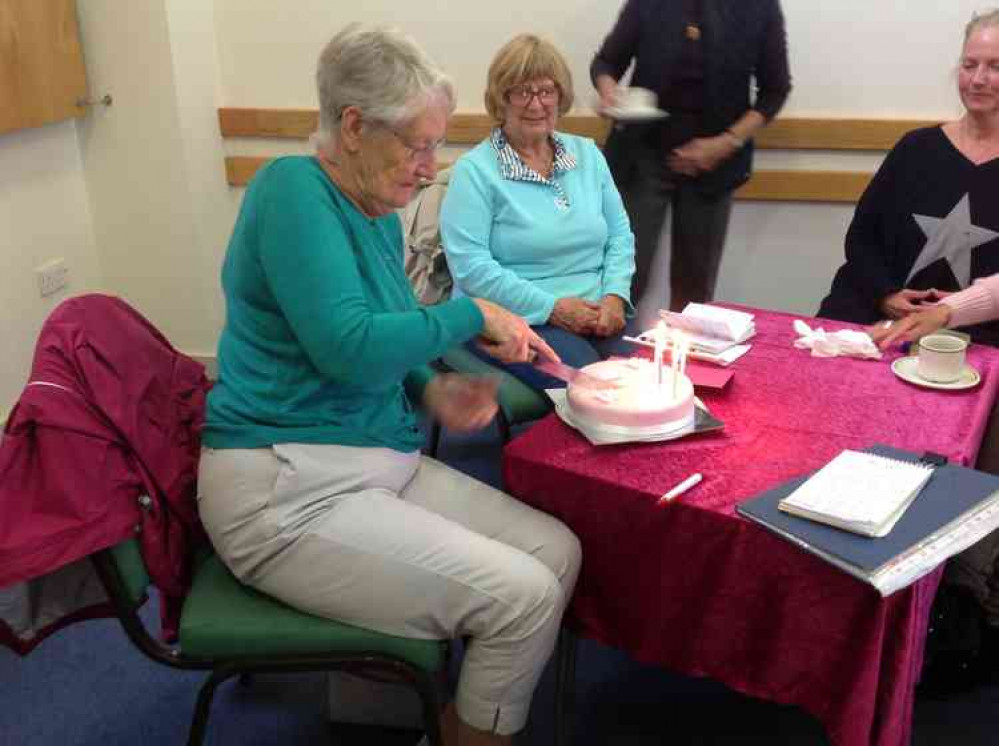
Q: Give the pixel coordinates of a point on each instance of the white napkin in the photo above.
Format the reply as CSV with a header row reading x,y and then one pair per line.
x,y
845,342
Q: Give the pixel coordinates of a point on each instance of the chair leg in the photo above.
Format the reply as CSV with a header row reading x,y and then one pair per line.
x,y
435,439
430,701
504,426
565,685
199,722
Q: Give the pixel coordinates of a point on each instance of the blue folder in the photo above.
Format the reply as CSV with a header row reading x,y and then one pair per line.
x,y
939,522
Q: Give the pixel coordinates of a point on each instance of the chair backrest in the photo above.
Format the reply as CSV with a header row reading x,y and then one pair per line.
x,y
425,263
123,574
131,570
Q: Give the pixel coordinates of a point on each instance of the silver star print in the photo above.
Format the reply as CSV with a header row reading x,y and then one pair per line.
x,y
951,238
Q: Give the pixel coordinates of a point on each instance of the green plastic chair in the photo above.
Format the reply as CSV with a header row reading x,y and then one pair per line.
x,y
230,630
518,402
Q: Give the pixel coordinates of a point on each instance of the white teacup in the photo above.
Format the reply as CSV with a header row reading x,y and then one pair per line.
x,y
636,99
941,357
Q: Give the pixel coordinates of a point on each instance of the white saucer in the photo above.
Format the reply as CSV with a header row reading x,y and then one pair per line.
x,y
905,368
635,115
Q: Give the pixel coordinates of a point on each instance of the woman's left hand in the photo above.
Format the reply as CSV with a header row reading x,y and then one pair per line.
x,y
611,319
700,155
911,328
461,403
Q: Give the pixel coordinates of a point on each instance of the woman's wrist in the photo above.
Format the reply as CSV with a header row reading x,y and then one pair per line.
x,y
734,139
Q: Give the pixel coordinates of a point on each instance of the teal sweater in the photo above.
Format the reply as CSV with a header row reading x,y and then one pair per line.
x,y
512,241
324,341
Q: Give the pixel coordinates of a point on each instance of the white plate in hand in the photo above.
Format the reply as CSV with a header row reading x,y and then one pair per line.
x,y
906,369
635,115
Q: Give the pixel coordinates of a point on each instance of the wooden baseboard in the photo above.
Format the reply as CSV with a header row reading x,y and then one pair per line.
x,y
790,133
765,186
805,186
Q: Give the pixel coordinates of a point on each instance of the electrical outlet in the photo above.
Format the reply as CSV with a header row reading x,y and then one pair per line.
x,y
52,277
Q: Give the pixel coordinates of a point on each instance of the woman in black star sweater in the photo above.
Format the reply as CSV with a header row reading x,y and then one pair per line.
x,y
928,223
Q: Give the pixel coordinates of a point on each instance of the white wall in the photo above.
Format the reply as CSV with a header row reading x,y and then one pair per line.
x,y
135,199
43,215
852,58
153,160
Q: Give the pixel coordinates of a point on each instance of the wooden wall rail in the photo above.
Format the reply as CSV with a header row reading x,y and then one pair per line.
x,y
843,135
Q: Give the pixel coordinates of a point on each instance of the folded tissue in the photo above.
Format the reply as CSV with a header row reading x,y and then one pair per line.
x,y
845,342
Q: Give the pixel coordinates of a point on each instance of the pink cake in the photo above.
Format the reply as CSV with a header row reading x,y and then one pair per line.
x,y
635,400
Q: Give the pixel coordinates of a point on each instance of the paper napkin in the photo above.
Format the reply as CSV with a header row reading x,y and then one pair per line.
x,y
845,342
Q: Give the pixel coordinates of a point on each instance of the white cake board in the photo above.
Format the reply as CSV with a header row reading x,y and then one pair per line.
x,y
704,421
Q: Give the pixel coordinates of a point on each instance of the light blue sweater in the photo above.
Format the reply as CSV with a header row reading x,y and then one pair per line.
x,y
516,243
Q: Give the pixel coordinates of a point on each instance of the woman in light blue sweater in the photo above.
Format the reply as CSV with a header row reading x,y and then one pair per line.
x,y
532,220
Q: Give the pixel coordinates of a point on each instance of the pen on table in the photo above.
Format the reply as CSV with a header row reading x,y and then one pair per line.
x,y
685,485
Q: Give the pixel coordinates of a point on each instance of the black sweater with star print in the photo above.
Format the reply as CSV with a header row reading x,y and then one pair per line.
x,y
917,191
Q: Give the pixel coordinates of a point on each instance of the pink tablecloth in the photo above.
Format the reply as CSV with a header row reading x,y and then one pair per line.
x,y
697,589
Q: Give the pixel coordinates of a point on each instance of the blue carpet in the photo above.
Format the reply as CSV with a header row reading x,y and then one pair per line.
x,y
88,686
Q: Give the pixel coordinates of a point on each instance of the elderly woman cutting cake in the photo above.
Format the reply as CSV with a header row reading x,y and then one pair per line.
x,y
312,487
532,220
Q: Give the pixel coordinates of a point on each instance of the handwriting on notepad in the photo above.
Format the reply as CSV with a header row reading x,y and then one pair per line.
x,y
858,491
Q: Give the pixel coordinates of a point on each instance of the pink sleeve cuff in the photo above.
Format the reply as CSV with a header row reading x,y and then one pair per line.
x,y
976,304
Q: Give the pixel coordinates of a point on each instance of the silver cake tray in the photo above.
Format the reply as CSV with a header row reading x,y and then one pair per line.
x,y
704,422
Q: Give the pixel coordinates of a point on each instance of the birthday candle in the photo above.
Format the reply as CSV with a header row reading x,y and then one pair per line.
x,y
657,358
675,359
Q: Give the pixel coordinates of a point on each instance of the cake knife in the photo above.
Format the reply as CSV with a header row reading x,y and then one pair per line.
x,y
572,375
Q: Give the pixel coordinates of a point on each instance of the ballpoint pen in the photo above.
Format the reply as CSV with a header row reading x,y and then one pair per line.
x,y
685,485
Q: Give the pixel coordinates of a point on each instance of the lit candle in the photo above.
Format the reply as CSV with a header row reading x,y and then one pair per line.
x,y
657,358
677,344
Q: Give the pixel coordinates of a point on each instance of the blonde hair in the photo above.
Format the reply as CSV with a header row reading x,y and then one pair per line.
x,y
979,21
523,58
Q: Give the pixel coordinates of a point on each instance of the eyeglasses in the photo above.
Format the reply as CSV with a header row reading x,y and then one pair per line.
x,y
521,95
415,153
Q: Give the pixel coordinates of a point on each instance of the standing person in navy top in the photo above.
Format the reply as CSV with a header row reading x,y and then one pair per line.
x,y
698,56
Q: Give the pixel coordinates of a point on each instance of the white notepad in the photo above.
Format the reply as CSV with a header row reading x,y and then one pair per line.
x,y
711,328
859,492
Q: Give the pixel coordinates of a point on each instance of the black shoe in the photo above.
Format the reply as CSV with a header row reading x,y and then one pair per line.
x,y
957,659
952,674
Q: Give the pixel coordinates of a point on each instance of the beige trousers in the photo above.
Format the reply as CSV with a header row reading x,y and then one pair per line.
x,y
402,544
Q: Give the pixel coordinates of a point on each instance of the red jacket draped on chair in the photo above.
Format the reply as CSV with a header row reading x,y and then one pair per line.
x,y
111,413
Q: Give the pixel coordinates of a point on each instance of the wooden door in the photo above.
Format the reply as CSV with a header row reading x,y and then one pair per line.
x,y
42,76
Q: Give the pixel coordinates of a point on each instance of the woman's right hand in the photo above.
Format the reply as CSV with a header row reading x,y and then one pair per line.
x,y
575,315
901,304
508,338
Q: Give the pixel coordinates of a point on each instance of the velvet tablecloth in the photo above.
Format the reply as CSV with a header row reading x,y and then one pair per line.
x,y
696,588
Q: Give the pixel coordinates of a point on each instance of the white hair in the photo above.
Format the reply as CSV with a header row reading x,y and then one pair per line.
x,y
383,73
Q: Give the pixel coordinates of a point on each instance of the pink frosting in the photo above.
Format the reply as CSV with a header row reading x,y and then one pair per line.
x,y
636,398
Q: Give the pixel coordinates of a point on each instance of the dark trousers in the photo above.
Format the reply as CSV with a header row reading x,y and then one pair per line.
x,y
699,223
574,350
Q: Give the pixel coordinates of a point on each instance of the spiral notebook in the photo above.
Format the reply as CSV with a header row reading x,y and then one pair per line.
x,y
956,508
859,491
